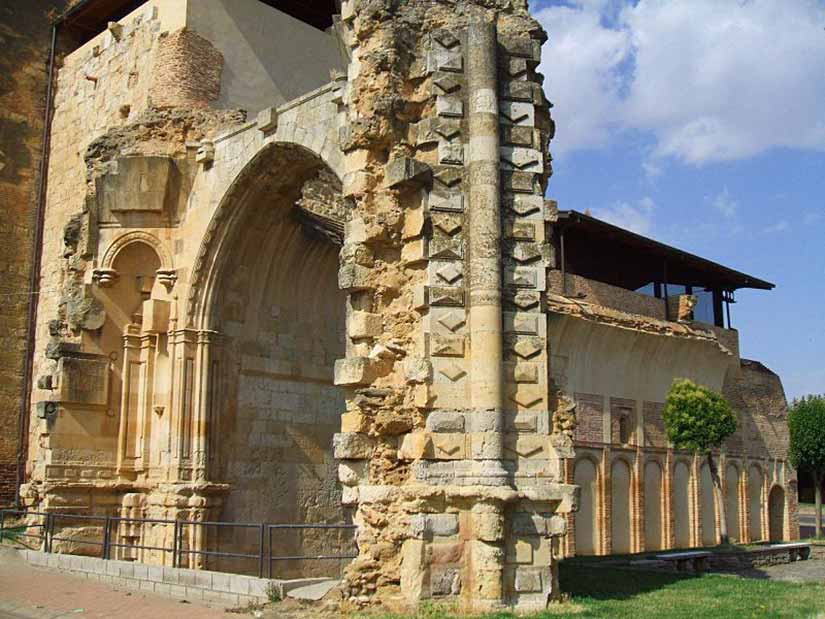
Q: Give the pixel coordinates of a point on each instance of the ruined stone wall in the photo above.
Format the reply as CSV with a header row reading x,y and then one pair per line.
x,y
24,47
606,295
102,110
671,502
452,440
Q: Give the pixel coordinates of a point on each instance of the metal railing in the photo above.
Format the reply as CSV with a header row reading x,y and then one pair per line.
x,y
49,528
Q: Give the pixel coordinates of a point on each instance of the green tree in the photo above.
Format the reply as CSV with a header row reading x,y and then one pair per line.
x,y
806,421
698,419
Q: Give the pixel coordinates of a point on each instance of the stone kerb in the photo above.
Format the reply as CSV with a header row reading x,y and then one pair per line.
x,y
202,585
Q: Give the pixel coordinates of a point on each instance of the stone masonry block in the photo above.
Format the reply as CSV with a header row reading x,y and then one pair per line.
x,y
445,421
486,556
354,422
239,584
352,446
413,572
267,120
365,325
526,524
488,527
528,581
354,277
406,172
355,371
520,551
445,582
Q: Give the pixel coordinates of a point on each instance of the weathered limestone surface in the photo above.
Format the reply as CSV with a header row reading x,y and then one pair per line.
x,y
200,355
333,309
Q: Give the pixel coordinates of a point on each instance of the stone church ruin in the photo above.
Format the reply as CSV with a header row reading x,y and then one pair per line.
x,y
297,267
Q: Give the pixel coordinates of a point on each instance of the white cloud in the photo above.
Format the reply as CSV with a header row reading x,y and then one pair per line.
x,y
635,217
780,226
581,66
726,205
711,80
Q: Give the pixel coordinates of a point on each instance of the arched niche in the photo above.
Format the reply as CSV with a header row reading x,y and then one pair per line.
x,y
732,502
653,506
266,283
681,504
776,514
755,487
620,517
707,506
586,476
132,267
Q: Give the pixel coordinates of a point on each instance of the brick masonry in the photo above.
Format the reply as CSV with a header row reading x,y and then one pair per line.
x,y
23,63
759,486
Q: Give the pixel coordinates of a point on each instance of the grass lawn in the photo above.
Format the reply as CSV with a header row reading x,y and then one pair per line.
x,y
629,594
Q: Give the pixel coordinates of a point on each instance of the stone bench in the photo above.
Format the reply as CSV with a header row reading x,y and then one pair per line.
x,y
796,550
693,561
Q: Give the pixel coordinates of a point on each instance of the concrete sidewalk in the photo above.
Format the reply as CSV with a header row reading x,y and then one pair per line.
x,y
28,592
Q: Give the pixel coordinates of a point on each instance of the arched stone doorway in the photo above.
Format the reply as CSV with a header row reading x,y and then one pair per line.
x,y
620,509
585,475
653,506
273,298
776,514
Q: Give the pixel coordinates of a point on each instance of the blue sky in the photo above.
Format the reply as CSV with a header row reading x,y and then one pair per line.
x,y
701,123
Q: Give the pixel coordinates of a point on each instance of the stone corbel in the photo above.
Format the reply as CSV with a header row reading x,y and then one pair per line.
x,y
105,277
167,277
205,153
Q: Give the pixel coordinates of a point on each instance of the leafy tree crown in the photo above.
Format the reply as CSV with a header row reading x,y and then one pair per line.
x,y
697,418
806,421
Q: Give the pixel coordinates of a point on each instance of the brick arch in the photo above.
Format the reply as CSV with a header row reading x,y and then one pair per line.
x,y
654,504
733,500
588,518
621,507
681,500
776,513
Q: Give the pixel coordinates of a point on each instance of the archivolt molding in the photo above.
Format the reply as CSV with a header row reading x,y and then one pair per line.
x,y
105,275
137,236
222,224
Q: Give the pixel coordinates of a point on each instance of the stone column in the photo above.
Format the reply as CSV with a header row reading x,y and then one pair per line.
x,y
451,443
148,354
669,531
484,249
128,431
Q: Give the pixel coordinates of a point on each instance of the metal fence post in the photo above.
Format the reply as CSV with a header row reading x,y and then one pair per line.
x,y
175,534
107,538
261,549
48,533
269,552
2,523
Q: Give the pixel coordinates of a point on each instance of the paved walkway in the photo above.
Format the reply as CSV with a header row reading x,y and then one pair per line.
x,y
27,592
